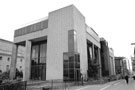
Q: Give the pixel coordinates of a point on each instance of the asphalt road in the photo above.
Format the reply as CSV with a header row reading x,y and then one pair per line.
x,y
116,85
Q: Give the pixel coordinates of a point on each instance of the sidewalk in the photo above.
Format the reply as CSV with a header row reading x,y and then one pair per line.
x,y
69,86
93,86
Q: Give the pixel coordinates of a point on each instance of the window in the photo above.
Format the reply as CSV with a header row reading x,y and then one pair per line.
x,y
0,71
8,59
7,66
70,66
0,57
20,66
20,60
38,60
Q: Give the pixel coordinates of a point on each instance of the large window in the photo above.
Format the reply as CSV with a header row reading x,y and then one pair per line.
x,y
38,63
71,67
8,58
0,57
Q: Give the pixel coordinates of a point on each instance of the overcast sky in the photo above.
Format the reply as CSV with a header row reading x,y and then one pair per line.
x,y
112,19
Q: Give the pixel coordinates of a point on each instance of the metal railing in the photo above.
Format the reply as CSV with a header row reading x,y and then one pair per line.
x,y
61,85
14,86
38,72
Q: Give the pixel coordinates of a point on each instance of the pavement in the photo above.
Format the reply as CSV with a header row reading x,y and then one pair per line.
x,y
93,87
114,85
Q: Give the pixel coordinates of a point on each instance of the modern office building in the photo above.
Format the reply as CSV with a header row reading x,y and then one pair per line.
x,y
122,66
112,62
60,46
105,57
133,64
119,65
5,56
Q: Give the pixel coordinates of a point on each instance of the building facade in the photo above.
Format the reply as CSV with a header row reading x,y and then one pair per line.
x,y
133,64
119,65
112,62
5,56
122,66
105,57
60,46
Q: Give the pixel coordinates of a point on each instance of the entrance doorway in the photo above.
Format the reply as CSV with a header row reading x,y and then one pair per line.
x,y
38,60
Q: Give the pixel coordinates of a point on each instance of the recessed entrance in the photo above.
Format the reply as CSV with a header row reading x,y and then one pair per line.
x,y
38,60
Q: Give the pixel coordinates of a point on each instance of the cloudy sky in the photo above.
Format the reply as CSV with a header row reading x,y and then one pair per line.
x,y
112,19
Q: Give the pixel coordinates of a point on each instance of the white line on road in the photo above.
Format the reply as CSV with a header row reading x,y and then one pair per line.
x,y
110,85
117,83
84,87
105,87
81,88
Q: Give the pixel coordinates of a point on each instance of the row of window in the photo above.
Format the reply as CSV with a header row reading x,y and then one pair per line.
x,y
8,59
8,66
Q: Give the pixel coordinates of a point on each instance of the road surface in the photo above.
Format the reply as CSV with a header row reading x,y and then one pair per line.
x,y
116,85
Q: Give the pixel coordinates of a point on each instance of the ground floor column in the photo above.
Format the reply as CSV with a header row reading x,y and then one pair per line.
x,y
114,71
13,61
27,64
99,62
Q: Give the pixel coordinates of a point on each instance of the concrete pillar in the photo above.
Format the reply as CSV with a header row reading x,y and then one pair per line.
x,y
100,64
27,64
13,61
114,71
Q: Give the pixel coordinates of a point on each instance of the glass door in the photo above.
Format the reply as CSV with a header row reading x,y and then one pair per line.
x,y
38,61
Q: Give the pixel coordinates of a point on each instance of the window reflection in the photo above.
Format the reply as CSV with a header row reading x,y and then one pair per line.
x,y
71,67
38,61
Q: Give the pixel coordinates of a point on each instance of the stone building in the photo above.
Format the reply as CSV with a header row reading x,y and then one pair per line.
x,y
133,63
105,57
60,46
5,56
122,66
112,62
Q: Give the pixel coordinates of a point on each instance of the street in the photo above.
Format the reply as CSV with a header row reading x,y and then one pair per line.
x,y
116,85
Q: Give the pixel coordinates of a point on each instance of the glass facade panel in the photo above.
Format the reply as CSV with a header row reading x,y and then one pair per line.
x,y
90,52
71,59
66,65
77,65
77,58
38,62
71,67
35,50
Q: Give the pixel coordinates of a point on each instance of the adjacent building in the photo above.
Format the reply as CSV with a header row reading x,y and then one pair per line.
x,y
112,62
105,57
122,66
61,46
119,65
5,56
133,64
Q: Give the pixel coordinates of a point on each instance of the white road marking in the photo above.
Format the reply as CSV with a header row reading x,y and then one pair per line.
x,y
105,87
101,88
84,87
81,88
117,83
